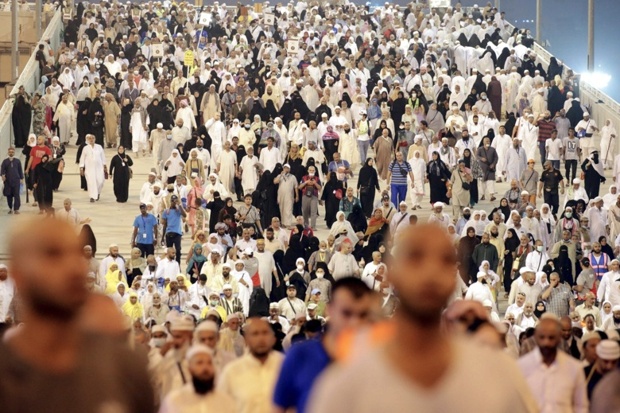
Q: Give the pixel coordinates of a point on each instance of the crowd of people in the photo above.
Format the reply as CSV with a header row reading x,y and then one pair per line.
x,y
250,119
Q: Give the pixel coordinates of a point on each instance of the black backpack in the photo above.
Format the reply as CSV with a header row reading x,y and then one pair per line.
x,y
259,303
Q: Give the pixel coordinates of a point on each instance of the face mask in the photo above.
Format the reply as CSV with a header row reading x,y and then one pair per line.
x,y
320,275
310,174
568,214
539,248
168,137
213,303
300,266
247,126
158,342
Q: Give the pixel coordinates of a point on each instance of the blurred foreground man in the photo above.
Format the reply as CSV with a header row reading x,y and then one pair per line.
x,y
50,364
423,366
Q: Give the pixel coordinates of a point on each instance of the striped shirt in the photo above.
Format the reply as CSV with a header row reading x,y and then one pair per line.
x,y
399,172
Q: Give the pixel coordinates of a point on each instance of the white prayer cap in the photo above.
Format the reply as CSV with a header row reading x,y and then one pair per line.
x,y
615,308
524,193
207,325
160,125
227,286
608,350
531,115
576,181
158,329
487,303
227,265
233,316
586,114
312,306
438,205
523,270
182,323
597,199
402,203
273,305
286,166
481,274
198,349
113,246
298,260
570,94
248,251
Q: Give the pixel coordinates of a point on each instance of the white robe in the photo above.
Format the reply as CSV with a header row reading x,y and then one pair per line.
x,y
93,162
607,150
244,292
530,140
249,176
266,265
226,171
501,143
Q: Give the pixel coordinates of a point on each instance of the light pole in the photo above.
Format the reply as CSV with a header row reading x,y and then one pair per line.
x,y
14,41
590,35
538,20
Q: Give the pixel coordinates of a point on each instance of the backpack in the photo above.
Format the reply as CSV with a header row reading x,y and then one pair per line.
x,y
259,303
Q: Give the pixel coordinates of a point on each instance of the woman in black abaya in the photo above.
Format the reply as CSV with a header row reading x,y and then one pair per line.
x,y
82,121
95,120
44,184
21,118
120,172
367,183
125,121
329,196
438,174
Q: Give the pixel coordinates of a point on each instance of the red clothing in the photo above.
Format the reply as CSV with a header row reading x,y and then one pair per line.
x,y
545,127
36,154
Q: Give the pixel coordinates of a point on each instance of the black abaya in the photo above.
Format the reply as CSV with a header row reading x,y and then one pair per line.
x,y
44,181
438,175
367,183
332,203
125,121
21,118
120,171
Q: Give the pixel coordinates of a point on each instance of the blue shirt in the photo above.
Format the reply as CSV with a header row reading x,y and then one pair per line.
x,y
173,220
145,225
397,172
303,363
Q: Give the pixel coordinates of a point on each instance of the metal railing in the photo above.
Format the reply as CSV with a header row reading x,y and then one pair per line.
x,y
29,79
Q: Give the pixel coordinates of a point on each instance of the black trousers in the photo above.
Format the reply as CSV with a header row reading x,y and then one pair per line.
x,y
553,199
174,240
571,165
146,249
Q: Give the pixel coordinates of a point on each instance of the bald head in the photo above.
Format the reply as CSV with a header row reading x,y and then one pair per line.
x,y
424,272
50,273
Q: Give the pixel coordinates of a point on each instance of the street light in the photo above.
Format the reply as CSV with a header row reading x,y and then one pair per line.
x,y
599,80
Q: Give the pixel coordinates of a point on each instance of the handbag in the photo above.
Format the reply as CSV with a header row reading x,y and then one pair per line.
x,y
466,186
338,194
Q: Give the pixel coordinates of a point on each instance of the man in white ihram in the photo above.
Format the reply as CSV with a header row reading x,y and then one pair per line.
x,y
93,167
421,365
199,395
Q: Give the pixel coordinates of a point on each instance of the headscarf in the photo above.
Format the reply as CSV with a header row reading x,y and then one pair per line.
x,y
175,168
537,312
133,311
511,244
341,225
610,199
113,278
374,223
138,263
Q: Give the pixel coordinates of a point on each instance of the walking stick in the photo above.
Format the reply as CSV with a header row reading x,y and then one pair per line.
x,y
605,161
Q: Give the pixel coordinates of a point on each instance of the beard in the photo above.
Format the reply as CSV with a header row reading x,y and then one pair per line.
x,y
48,306
202,386
424,316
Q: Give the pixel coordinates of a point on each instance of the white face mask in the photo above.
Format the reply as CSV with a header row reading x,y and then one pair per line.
x,y
310,174
539,248
320,275
158,342
300,267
